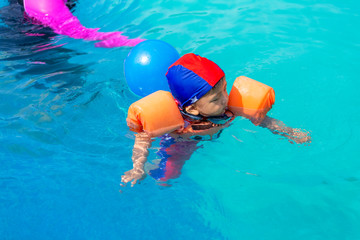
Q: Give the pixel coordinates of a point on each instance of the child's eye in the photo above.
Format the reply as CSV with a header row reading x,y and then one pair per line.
x,y
214,100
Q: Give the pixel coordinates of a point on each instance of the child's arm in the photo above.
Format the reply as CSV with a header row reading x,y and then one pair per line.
x,y
139,157
293,134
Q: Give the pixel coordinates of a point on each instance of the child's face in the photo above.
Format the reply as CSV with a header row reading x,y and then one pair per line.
x,y
213,103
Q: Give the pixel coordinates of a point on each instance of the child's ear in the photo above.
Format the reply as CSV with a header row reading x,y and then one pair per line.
x,y
192,110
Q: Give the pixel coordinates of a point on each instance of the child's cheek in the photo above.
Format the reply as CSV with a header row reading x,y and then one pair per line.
x,y
210,109
216,108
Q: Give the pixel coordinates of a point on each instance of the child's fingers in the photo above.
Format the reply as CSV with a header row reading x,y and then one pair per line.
x,y
126,178
137,179
124,181
134,182
132,176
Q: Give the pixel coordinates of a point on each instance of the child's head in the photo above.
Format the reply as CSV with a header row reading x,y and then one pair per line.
x,y
199,85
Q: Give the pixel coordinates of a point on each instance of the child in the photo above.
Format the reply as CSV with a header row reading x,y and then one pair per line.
x,y
199,88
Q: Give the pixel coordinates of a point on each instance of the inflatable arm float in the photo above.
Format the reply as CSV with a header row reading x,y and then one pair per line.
x,y
157,113
56,15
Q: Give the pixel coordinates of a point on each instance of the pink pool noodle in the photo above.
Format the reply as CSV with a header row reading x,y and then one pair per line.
x,y
56,15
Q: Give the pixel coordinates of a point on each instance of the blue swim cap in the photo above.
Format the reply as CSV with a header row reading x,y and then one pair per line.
x,y
191,77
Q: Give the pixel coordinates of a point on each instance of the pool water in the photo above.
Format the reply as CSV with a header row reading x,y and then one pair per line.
x,y
64,143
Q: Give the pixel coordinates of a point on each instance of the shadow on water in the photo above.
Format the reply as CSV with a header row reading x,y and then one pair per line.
x,y
40,85
31,51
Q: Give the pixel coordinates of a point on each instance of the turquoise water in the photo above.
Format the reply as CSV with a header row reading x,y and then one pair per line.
x,y
64,143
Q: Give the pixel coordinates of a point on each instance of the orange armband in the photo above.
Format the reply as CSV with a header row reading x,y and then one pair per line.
x,y
251,99
155,114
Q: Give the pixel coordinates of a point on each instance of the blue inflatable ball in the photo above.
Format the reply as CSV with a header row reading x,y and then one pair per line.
x,y
146,66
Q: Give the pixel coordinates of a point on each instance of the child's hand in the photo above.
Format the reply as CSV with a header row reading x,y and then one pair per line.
x,y
133,176
300,136
294,135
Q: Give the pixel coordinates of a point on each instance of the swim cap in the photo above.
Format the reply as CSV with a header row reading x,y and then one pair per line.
x,y
191,77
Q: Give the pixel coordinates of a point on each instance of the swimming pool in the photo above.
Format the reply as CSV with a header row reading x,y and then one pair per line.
x,y
64,143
